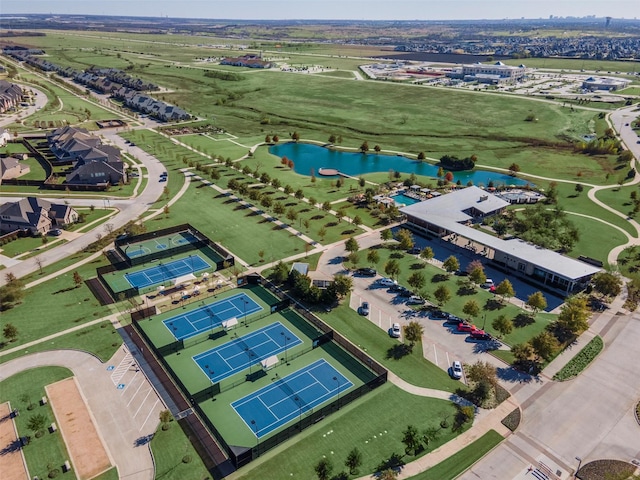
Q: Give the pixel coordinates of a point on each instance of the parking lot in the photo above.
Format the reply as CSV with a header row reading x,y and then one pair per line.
x,y
442,343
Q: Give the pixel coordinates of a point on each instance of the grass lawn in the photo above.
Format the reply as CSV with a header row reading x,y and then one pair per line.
x,y
595,238
216,145
101,340
54,306
361,424
111,474
169,448
24,244
25,388
235,228
413,368
619,198
457,463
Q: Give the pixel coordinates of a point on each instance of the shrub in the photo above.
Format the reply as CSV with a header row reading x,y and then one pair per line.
x,y
512,420
581,360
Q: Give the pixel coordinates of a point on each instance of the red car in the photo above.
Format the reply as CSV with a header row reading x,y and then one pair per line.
x,y
466,327
480,335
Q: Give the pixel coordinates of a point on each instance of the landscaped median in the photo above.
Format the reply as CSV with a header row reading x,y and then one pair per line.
x,y
581,361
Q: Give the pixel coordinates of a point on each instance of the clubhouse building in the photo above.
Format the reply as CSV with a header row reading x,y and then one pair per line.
x,y
451,218
496,74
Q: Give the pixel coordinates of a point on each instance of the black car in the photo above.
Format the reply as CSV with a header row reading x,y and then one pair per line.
x,y
415,250
405,292
367,272
453,320
439,315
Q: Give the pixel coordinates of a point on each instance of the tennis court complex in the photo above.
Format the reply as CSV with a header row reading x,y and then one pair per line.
x,y
166,271
149,246
289,397
211,316
244,351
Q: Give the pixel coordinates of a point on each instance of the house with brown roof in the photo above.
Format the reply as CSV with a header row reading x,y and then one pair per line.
x,y
36,215
10,167
10,95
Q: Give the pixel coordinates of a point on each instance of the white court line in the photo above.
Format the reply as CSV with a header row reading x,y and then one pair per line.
x,y
150,412
448,361
380,318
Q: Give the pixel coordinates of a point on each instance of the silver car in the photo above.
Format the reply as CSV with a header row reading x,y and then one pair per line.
x,y
456,370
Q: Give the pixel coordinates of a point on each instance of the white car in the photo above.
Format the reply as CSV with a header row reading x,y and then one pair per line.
x,y
488,283
456,370
395,330
387,282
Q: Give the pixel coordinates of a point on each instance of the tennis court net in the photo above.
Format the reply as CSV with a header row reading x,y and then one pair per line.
x,y
302,405
250,353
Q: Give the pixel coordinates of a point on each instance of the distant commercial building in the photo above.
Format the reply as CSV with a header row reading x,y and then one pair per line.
x,y
250,61
605,83
494,74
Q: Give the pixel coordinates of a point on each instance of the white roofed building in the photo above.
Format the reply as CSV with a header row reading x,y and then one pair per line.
x,y
454,214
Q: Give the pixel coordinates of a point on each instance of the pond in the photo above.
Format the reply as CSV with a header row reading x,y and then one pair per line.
x,y
307,158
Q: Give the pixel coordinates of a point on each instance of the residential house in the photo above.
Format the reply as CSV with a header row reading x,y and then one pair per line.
x,y
10,95
10,167
35,215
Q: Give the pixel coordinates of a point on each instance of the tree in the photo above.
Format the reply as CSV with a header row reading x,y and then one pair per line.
x,y
292,215
354,461
332,138
342,285
351,245
427,253
514,168
442,295
165,418
451,264
267,139
326,206
77,279
295,136
356,220
388,474
39,263
392,268
502,325
405,239
536,301
10,332
417,281
386,234
545,345
312,201
430,434
322,233
471,308
421,156
573,317
306,224
607,283
36,423
362,182
288,189
413,333
280,273
364,148
276,139
323,469
579,188
299,194
411,440
278,208
505,289
377,148
373,257
523,352
477,275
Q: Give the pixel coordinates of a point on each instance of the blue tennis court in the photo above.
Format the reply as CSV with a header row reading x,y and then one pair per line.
x,y
166,271
238,354
288,398
211,316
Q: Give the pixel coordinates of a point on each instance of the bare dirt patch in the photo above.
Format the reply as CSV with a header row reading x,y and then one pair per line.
x,y
88,454
12,463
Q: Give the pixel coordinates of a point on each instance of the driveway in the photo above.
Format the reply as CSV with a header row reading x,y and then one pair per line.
x,y
590,417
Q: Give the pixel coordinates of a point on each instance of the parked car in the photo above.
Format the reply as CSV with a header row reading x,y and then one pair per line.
x,y
416,300
488,283
162,179
405,292
466,327
453,320
395,330
414,250
456,370
56,232
367,272
480,335
364,309
439,315
387,282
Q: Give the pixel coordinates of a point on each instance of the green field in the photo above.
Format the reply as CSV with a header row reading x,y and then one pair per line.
x,y
459,462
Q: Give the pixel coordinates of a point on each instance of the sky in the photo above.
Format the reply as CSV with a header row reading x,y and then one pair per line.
x,y
331,9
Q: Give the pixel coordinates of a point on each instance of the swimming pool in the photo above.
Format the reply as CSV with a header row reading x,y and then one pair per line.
x,y
403,200
309,158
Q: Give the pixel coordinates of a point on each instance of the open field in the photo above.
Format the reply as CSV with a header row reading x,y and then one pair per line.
x,y
360,425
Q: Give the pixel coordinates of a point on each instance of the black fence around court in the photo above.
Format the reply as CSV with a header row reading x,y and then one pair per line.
x,y
202,241
344,351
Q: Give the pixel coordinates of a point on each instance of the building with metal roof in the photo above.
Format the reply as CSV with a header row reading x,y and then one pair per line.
x,y
452,216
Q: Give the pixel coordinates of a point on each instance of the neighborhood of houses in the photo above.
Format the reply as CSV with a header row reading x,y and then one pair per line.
x,y
111,81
